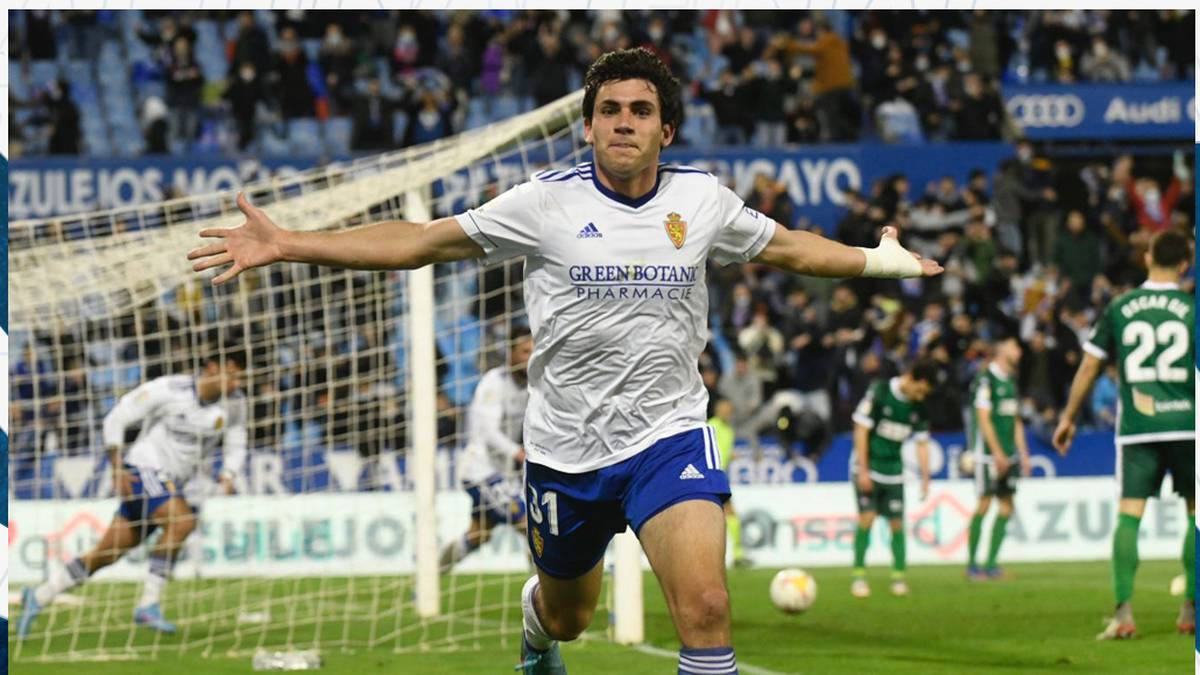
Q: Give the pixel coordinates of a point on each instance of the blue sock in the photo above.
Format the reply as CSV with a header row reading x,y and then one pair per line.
x,y
707,661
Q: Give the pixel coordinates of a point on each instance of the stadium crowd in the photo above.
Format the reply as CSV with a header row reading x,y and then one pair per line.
x,y
1032,247
223,81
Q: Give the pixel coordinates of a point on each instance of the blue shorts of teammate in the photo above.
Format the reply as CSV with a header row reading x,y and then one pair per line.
x,y
497,500
571,517
150,491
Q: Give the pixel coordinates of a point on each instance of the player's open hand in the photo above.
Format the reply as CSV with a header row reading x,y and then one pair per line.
x,y
929,268
254,243
1001,463
1064,433
864,482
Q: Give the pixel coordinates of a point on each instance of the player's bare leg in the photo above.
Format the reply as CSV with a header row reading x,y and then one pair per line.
x,y
1004,511
121,536
859,587
899,557
556,610
1125,564
1186,622
478,533
685,544
177,521
974,572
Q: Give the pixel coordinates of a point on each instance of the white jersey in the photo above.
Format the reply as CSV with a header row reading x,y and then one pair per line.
x,y
617,302
494,423
178,430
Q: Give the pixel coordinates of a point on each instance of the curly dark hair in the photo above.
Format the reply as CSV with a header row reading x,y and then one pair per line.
x,y
635,64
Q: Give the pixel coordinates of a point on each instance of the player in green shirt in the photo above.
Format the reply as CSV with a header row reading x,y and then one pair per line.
x,y
722,424
997,438
1148,333
889,414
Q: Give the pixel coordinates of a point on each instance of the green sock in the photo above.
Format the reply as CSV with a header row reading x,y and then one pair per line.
x,y
734,525
998,530
973,541
1189,557
1125,556
898,552
862,537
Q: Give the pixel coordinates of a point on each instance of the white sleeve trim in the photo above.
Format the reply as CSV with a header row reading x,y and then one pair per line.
x,y
1091,348
863,420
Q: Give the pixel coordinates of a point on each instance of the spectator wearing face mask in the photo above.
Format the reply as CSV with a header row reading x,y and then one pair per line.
x,y
243,95
338,60
833,83
295,95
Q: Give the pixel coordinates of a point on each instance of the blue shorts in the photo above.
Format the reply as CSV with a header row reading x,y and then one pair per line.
x,y
571,517
150,491
497,500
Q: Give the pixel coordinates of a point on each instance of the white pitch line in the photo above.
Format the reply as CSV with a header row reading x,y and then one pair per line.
x,y
666,653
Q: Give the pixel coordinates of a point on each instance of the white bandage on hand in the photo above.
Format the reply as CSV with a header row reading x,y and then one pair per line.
x,y
889,260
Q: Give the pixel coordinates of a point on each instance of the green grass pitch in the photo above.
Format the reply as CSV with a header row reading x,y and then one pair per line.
x,y
1042,620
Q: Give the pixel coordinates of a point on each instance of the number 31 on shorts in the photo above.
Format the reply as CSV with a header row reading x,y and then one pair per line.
x,y
550,501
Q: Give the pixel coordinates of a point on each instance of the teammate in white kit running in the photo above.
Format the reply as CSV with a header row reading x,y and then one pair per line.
x,y
493,453
183,418
615,254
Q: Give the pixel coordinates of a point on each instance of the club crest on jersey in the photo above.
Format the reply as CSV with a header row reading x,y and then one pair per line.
x,y
219,423
676,229
538,543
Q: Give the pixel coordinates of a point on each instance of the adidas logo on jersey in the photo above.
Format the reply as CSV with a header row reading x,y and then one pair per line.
x,y
690,473
589,231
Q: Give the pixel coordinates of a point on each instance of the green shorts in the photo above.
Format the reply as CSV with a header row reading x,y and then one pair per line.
x,y
886,499
1144,465
988,484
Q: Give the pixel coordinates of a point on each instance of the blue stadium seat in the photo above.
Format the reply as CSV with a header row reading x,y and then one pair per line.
x,y
304,136
78,71
271,143
312,49
17,83
338,131
42,73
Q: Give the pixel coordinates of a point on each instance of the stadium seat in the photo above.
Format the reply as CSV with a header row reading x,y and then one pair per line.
x,y
304,136
42,73
272,143
338,131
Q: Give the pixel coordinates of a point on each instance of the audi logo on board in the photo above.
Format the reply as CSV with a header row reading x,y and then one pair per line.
x,y
1037,110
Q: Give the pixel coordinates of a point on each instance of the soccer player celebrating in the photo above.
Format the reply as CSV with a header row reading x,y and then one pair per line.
x,y
889,414
183,418
615,254
494,451
1147,332
1001,451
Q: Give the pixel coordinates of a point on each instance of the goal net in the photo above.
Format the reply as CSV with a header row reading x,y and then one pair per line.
x,y
357,390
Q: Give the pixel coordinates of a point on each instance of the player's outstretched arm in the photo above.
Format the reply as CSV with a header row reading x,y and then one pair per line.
x,y
815,256
1085,377
387,245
